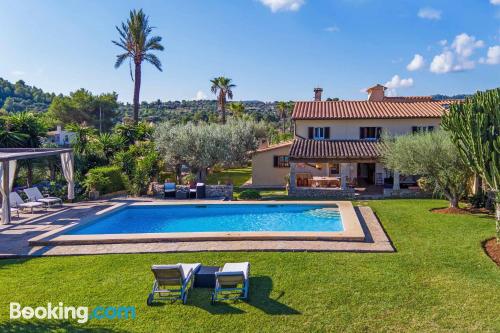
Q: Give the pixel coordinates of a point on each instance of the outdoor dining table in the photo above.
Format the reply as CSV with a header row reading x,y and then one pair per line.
x,y
325,181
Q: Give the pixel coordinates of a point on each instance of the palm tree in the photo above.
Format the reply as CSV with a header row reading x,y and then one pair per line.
x,y
33,128
135,39
223,86
237,109
282,108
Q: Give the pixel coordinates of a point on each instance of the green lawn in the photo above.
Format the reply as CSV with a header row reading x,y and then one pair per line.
x,y
438,280
238,176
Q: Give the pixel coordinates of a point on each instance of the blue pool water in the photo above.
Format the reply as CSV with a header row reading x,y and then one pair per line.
x,y
215,218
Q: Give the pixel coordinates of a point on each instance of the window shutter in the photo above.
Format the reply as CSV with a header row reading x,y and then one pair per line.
x,y
327,133
311,132
275,161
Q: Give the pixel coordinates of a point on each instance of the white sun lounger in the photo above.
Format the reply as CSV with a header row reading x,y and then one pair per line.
x,y
17,202
167,276
35,195
232,282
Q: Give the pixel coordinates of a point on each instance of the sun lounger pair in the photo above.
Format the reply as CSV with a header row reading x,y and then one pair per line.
x,y
36,200
231,282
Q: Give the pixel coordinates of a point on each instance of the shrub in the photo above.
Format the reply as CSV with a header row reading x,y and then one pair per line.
x,y
106,179
250,195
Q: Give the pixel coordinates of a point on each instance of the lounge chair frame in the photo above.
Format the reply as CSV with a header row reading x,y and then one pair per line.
x,y
185,285
226,286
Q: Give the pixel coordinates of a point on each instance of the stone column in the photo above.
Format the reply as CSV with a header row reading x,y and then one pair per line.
x,y
293,180
344,170
395,184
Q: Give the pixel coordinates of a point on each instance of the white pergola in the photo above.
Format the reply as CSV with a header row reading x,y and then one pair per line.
x,y
8,163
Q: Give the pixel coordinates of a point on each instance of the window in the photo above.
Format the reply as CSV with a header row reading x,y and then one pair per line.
x,y
422,129
281,161
370,133
334,169
319,133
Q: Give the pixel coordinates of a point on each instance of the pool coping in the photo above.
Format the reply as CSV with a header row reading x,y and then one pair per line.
x,y
352,227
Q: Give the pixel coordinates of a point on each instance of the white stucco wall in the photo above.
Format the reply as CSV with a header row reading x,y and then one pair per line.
x,y
349,129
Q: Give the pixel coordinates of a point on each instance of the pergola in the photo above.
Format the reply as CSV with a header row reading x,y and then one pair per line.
x,y
8,163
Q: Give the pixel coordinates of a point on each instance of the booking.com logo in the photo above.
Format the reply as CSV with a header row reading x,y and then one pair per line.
x,y
81,314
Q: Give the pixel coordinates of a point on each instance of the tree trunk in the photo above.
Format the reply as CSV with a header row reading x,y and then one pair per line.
x,y
497,216
222,106
202,175
454,202
137,91
178,173
284,124
29,174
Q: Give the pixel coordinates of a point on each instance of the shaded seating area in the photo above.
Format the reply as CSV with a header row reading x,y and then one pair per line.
x,y
8,164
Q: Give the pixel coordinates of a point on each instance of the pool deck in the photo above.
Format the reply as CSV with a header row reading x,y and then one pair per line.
x,y
32,237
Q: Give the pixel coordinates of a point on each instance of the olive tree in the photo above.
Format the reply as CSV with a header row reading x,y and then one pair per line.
x,y
201,146
431,155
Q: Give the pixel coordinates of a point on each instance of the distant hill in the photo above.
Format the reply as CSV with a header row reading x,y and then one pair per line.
x,y
443,97
15,97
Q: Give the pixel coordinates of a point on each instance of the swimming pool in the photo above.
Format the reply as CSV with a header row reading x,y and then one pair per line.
x,y
147,219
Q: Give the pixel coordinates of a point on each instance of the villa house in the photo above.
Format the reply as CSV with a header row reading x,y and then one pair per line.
x,y
336,145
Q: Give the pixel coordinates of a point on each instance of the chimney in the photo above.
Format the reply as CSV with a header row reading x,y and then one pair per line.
x,y
317,94
59,129
376,93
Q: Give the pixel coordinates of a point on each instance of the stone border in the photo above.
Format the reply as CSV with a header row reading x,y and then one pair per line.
x,y
376,241
352,228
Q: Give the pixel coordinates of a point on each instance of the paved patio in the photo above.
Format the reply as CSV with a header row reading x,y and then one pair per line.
x,y
14,237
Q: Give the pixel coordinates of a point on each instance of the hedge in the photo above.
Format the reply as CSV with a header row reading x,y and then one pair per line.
x,y
116,178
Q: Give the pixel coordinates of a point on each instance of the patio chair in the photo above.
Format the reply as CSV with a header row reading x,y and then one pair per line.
x,y
170,189
232,282
168,276
35,195
18,202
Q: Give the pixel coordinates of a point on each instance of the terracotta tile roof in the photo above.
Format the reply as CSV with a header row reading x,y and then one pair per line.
x,y
366,110
275,146
342,149
408,99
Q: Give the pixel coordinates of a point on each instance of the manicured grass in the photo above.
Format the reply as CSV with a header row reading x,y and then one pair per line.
x,y
237,175
438,280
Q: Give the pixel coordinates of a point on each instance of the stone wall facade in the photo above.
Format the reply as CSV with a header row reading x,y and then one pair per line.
x,y
405,193
321,193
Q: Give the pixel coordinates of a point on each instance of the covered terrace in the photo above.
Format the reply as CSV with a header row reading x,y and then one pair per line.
x,y
8,164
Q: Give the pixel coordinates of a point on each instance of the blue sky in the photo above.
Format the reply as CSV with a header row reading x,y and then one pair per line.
x,y
272,49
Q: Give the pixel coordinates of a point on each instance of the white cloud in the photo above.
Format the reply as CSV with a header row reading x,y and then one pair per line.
x,y
429,13
443,42
17,73
495,2
283,5
457,57
493,56
416,64
200,95
333,28
397,82
464,45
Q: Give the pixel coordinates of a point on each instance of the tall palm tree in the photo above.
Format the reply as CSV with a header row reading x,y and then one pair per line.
x,y
237,109
135,39
223,86
282,109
